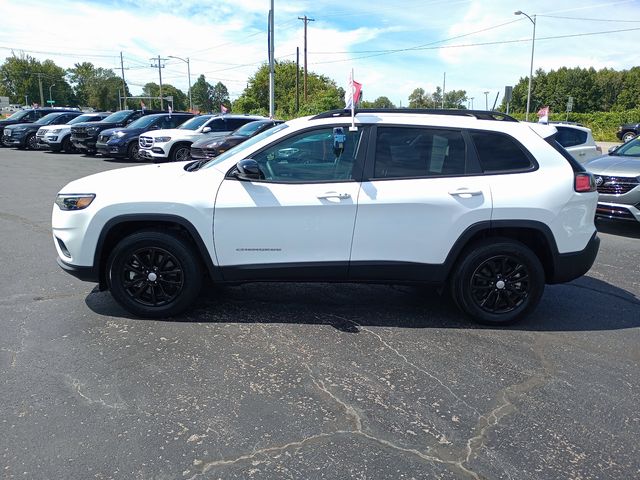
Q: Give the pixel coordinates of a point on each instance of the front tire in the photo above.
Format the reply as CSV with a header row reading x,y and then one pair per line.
x,y
498,281
154,275
67,146
180,153
133,151
31,143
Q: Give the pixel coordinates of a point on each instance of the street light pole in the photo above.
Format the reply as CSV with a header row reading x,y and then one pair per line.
x,y
533,46
50,98
189,75
486,100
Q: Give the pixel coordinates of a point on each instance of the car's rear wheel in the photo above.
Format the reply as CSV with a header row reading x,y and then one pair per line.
x,y
67,146
628,136
154,274
133,151
180,153
498,281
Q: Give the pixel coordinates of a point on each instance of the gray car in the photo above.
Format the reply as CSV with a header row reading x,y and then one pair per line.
x,y
617,178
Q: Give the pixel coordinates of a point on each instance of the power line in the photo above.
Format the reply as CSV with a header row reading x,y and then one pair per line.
x,y
590,19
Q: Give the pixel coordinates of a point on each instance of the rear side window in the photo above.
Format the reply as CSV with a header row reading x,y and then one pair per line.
x,y
498,152
570,137
217,125
407,152
233,123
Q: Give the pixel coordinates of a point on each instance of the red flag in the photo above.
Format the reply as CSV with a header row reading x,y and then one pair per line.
x,y
543,115
223,109
142,105
352,96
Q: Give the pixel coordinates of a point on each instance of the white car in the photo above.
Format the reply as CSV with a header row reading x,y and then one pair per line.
x,y
478,202
174,144
58,137
578,141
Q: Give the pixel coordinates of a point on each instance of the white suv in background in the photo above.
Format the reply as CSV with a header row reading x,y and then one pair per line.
x,y
578,141
58,137
174,144
489,207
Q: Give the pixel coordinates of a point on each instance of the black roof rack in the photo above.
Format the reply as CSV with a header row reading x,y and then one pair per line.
x,y
479,114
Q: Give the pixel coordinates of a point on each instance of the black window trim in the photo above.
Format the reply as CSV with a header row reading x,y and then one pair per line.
x,y
358,165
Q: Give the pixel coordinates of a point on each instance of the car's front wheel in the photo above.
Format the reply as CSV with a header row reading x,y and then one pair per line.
x,y
133,151
498,281
31,142
180,153
154,274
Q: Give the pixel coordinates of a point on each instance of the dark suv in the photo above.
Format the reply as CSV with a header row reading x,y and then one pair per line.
x,y
29,115
23,135
85,135
123,142
628,131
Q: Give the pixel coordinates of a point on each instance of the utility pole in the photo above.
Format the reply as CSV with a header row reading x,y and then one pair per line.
x,y
297,79
306,20
272,68
486,100
444,83
124,85
41,92
160,67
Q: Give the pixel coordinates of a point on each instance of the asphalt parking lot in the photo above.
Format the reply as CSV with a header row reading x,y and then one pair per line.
x,y
298,381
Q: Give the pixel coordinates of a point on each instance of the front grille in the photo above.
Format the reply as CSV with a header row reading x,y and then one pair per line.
x,y
614,211
201,153
104,138
41,133
615,185
145,142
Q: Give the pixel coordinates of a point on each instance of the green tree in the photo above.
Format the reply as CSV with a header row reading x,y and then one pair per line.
x,y
201,95
152,89
96,87
220,96
322,93
418,99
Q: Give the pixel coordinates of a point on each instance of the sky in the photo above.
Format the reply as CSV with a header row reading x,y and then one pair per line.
x,y
393,47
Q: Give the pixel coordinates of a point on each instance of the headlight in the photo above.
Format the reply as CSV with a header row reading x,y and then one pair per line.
x,y
162,139
74,201
93,129
57,130
214,144
119,134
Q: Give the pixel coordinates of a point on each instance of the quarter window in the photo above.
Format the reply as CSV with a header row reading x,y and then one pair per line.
x,y
498,152
403,152
310,157
570,137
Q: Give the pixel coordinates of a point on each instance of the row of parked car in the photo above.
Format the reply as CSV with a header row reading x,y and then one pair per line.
x,y
130,134
148,135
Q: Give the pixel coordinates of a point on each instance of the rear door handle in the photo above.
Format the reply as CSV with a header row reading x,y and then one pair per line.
x,y
465,192
341,196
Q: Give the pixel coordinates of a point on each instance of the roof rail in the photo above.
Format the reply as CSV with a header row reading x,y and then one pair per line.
x,y
479,114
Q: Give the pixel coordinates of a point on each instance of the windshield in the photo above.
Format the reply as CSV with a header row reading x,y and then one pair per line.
x,y
18,115
245,145
117,116
629,149
195,122
142,122
80,119
248,129
47,119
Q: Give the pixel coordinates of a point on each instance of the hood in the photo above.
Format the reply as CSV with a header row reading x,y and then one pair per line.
x,y
20,125
172,132
110,131
208,139
148,184
612,165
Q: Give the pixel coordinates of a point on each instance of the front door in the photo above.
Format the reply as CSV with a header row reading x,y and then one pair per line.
x,y
298,221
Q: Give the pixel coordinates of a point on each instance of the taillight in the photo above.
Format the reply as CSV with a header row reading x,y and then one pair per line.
x,y
584,182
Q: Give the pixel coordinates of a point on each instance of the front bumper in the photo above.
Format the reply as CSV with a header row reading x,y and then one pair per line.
x,y
14,140
86,274
618,211
149,154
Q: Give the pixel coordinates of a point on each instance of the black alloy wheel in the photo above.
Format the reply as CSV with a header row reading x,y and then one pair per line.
x,y
154,275
133,151
180,153
31,142
498,281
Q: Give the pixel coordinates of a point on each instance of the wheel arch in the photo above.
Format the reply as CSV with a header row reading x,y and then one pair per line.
x,y
124,225
535,235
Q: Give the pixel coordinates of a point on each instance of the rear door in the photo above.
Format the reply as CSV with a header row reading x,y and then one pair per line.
x,y
422,189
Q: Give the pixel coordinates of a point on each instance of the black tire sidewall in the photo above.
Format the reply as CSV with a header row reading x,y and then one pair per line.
x,y
174,152
30,143
131,150
66,145
179,248
479,253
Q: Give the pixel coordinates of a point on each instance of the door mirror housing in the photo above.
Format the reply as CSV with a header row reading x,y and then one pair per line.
x,y
339,138
206,129
248,169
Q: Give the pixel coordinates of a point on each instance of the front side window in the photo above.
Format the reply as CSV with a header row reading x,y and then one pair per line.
x,y
499,152
310,157
409,152
629,149
217,125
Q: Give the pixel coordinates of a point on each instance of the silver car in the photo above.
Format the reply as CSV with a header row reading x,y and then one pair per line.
x,y
617,178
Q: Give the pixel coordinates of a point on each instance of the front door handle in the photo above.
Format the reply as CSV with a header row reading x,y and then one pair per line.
x,y
341,196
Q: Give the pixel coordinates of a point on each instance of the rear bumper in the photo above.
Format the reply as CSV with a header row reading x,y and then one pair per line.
x,y
569,266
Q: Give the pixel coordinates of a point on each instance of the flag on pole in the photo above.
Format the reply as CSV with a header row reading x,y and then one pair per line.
x,y
223,109
352,95
543,115
170,110
142,105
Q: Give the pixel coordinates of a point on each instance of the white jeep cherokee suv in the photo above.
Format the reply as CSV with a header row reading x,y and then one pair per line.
x,y
174,144
475,201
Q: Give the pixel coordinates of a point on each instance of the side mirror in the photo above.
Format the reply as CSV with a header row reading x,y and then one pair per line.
x,y
613,148
206,129
248,169
339,138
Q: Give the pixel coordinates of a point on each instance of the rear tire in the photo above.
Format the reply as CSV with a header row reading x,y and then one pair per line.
x,y
497,281
31,143
67,146
154,275
628,136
